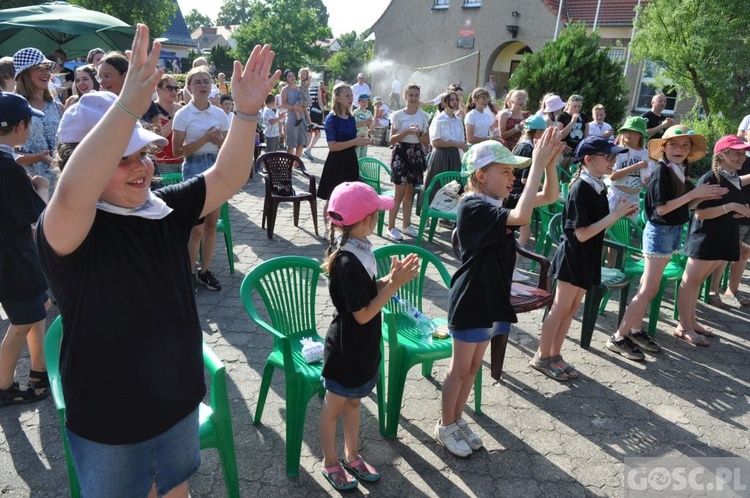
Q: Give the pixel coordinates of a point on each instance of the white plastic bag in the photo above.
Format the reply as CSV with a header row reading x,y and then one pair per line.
x,y
312,351
446,199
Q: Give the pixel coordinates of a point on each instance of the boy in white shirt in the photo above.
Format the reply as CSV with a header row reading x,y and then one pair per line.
x,y
598,127
271,123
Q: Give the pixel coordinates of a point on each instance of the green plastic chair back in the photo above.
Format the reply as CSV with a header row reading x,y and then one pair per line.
x,y
431,214
406,347
171,178
215,430
544,215
287,288
369,173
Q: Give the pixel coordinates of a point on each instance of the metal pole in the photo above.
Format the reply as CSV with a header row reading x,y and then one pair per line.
x,y
479,58
596,17
632,35
557,24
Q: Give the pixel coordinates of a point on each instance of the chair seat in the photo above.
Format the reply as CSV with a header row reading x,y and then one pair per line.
x,y
672,271
524,298
410,338
310,371
614,279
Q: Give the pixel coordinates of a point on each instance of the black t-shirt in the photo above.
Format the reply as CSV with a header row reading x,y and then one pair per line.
x,y
660,190
716,239
653,122
351,355
575,262
132,355
480,288
522,149
576,133
745,170
21,276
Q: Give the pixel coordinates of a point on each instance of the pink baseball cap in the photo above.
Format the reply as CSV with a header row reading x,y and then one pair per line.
x,y
730,142
352,202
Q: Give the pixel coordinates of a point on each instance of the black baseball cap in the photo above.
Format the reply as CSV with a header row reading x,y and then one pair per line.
x,y
14,109
592,145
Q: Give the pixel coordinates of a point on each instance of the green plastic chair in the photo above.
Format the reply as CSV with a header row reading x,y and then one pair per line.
x,y
223,226
215,429
406,347
369,173
544,215
635,264
287,286
430,214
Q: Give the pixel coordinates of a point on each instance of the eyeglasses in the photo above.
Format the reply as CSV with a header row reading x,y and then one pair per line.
x,y
106,76
608,157
170,88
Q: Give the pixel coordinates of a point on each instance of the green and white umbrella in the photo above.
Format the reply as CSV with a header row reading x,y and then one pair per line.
x,y
54,25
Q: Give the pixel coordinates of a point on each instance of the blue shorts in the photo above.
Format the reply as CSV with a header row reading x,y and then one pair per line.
x,y
126,470
350,392
26,312
661,241
480,335
197,164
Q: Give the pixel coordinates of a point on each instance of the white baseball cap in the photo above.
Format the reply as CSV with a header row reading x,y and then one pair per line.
x,y
82,116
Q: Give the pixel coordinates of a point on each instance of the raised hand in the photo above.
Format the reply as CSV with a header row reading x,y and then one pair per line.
x,y
252,84
143,73
548,148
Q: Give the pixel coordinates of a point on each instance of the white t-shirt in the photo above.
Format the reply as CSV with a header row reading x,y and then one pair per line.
x,y
597,130
449,129
481,121
195,123
396,87
383,120
636,179
363,89
400,122
271,130
745,124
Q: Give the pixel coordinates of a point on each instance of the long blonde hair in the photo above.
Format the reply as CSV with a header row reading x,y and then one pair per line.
x,y
338,108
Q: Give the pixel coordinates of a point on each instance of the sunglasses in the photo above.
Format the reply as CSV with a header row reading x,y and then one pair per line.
x,y
170,88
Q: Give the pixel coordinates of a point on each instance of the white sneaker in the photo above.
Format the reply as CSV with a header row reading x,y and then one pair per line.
x,y
410,231
520,277
450,437
474,441
394,234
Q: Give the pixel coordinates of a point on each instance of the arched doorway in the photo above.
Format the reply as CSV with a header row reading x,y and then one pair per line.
x,y
503,61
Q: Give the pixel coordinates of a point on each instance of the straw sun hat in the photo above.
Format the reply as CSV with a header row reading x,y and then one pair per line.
x,y
697,151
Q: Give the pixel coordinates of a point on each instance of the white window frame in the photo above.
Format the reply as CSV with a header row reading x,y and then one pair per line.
x,y
471,4
441,4
616,54
647,89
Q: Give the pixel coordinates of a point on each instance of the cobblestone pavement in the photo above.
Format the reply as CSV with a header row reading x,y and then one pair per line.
x,y
542,438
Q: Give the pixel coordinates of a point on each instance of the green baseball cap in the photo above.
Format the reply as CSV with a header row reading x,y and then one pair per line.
x,y
636,124
490,152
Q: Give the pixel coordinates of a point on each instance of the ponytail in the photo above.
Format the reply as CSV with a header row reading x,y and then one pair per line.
x,y
334,248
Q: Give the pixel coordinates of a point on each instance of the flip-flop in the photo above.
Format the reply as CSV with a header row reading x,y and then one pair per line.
x,y
339,478
362,470
682,334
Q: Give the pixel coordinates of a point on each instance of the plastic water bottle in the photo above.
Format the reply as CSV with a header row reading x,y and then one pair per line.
x,y
424,324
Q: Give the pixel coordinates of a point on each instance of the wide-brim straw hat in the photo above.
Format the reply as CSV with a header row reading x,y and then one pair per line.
x,y
697,151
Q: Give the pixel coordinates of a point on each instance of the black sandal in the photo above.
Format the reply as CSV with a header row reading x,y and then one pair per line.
x,y
38,385
14,396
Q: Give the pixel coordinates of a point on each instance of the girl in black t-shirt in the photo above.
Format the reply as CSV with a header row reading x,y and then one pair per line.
x,y
714,233
352,346
572,125
479,298
668,197
577,263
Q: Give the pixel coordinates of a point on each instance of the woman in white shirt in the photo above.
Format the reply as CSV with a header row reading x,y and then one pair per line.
x,y
198,131
409,133
478,121
447,138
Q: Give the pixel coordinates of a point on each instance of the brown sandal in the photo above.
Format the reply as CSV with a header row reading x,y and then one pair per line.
x,y
696,340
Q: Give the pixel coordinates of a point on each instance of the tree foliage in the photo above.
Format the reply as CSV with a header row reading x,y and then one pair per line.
x,y
221,59
702,50
291,27
157,14
234,12
195,20
575,64
353,57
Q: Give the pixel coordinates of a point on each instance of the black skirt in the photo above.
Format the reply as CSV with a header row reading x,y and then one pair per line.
x,y
341,166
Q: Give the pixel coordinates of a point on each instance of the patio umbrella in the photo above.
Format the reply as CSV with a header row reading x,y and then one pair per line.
x,y
54,25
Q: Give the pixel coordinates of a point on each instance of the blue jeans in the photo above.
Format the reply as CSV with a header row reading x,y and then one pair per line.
x,y
197,164
126,470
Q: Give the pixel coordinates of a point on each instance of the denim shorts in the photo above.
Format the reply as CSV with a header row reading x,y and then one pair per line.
x,y
745,235
197,164
480,335
126,470
661,241
350,392
26,312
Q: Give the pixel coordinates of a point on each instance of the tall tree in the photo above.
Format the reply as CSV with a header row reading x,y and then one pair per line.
x,y
354,55
575,64
195,20
701,48
157,14
234,12
291,27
